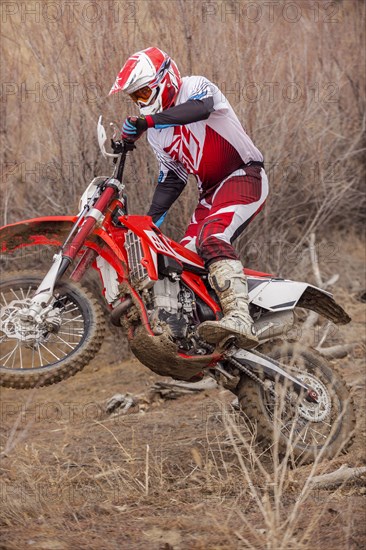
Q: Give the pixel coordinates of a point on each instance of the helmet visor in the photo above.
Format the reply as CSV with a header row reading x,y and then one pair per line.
x,y
143,95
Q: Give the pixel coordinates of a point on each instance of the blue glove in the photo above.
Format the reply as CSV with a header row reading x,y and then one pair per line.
x,y
133,128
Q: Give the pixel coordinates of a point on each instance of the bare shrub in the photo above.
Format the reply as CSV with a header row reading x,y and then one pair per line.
x,y
296,86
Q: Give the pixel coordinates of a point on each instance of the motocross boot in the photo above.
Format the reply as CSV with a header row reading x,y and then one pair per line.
x,y
228,280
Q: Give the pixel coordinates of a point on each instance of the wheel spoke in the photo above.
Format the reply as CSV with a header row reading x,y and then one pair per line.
x,y
66,320
77,331
67,343
71,310
8,355
28,291
16,296
50,352
3,297
319,433
40,355
28,344
65,353
14,356
20,355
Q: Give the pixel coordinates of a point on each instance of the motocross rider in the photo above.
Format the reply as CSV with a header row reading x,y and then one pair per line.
x,y
193,130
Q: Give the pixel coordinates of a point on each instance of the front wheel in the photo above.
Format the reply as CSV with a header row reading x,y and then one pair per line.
x,y
302,429
49,350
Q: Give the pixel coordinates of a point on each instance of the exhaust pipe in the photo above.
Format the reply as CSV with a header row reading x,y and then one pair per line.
x,y
119,311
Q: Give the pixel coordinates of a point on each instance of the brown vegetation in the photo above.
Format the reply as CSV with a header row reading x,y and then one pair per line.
x,y
294,75
179,474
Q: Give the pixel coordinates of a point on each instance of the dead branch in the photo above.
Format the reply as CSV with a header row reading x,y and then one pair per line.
x,y
313,317
314,260
336,352
121,404
310,321
315,265
325,334
173,390
343,475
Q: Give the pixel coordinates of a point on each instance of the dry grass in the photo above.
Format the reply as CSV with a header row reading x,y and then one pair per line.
x,y
176,474
298,87
75,485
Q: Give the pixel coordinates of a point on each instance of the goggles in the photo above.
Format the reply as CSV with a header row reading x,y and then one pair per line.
x,y
142,95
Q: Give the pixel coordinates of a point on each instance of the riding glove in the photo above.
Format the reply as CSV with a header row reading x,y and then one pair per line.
x,y
133,128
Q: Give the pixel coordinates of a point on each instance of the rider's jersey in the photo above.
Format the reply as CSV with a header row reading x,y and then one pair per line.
x,y
211,148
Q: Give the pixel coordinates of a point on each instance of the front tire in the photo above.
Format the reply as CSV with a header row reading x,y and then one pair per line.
x,y
35,355
299,428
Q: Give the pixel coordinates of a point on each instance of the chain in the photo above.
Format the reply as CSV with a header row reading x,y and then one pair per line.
x,y
234,362
251,375
247,371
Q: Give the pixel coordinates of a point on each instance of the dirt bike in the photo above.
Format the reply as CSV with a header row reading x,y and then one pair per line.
x,y
158,291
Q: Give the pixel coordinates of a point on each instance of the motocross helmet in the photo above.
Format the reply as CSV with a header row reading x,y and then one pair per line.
x,y
152,80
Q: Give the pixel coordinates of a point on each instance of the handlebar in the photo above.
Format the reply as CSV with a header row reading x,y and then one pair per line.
x,y
120,149
122,146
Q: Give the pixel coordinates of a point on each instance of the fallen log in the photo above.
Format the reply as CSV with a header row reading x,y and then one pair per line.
x,y
336,352
343,475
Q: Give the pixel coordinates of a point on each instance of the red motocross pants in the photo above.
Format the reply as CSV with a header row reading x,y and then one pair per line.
x,y
224,212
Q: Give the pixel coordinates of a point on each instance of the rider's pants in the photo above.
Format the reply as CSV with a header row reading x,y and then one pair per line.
x,y
224,212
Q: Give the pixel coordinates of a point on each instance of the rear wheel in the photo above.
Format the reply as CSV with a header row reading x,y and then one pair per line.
x,y
54,348
297,426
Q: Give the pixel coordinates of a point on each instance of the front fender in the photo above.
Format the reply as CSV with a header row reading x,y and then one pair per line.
x,y
49,230
53,230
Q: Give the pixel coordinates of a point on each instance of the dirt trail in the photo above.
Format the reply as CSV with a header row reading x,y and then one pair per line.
x,y
166,475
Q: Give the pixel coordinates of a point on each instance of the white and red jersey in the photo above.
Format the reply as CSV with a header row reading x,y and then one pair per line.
x,y
200,135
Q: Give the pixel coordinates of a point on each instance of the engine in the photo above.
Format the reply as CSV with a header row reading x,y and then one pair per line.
x,y
171,306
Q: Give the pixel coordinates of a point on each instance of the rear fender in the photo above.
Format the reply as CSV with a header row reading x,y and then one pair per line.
x,y
282,295
52,231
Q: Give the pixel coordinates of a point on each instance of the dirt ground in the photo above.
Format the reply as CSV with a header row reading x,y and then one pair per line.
x,y
167,475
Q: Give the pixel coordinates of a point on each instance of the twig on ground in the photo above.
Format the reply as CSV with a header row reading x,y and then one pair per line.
x,y
172,390
121,403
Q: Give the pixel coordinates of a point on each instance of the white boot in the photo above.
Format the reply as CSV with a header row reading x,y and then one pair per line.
x,y
228,280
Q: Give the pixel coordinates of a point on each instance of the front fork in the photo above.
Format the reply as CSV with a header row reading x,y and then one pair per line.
x,y
44,293
41,302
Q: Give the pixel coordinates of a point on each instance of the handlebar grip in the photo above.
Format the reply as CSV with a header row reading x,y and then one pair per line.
x,y
128,145
121,146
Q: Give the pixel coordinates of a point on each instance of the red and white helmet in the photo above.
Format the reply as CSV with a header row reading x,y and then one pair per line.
x,y
152,80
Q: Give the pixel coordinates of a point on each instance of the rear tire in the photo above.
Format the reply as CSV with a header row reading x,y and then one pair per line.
x,y
307,428
29,363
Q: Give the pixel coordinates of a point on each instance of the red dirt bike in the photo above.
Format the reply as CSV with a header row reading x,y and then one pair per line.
x,y
158,291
